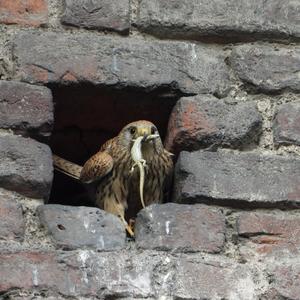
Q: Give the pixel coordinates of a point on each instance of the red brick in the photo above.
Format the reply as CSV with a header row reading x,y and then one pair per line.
x,y
12,225
24,12
27,109
203,120
286,125
100,14
84,273
286,281
25,166
269,234
213,280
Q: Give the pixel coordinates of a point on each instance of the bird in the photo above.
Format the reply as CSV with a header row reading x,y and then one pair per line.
x,y
117,183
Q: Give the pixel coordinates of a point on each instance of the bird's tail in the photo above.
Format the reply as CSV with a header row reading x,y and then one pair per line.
x,y
64,166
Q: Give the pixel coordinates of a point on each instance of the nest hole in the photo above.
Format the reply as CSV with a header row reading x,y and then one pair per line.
x,y
85,116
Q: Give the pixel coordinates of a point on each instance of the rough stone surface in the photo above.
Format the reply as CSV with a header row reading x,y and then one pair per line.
x,y
285,280
101,14
12,224
176,227
80,227
269,233
203,120
247,179
268,68
26,166
213,280
24,12
286,125
25,108
135,63
82,273
229,19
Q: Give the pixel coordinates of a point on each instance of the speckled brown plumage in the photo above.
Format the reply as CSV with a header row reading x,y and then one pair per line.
x,y
117,187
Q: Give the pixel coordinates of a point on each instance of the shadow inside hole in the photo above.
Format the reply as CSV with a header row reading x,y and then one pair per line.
x,y
86,116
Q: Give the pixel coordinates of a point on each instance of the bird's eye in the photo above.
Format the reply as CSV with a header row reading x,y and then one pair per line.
x,y
153,130
132,130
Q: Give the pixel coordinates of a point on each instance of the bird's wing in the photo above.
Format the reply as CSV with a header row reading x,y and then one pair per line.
x,y
96,167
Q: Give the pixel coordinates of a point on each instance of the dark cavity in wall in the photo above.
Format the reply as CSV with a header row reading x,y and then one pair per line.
x,y
86,116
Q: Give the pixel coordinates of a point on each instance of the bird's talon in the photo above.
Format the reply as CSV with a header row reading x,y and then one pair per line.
x,y
129,230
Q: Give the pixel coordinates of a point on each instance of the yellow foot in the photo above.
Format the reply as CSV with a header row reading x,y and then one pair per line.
x,y
129,230
131,224
127,227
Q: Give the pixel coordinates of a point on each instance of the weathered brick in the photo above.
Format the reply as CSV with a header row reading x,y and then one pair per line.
x,y
79,227
62,58
270,233
285,280
268,68
24,12
101,14
12,224
286,126
244,179
25,108
26,166
203,120
178,227
80,273
213,280
230,19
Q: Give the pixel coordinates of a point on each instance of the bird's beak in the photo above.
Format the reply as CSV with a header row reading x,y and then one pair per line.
x,y
144,137
144,132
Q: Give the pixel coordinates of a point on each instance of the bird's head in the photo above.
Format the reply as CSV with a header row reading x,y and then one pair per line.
x,y
140,128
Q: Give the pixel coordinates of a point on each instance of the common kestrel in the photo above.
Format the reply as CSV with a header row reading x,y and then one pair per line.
x,y
117,189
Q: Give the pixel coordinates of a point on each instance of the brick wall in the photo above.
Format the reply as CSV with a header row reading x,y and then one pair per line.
x,y
221,80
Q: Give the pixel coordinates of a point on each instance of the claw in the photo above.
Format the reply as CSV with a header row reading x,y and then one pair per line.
x,y
127,227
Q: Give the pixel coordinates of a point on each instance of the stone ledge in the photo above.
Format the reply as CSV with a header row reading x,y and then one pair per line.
x,y
237,179
180,228
82,227
52,57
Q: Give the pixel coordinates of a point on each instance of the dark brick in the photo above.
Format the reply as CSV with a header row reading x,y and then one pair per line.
x,y
286,125
79,227
187,228
268,233
26,166
12,224
203,120
230,20
213,280
25,108
81,273
62,58
286,280
100,14
244,179
24,12
268,68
